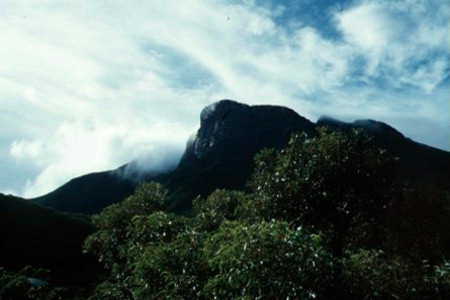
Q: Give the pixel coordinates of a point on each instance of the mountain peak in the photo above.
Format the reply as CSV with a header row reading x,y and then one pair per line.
x,y
229,126
220,108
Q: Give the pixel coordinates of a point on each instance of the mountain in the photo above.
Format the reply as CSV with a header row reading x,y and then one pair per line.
x,y
42,237
89,193
221,154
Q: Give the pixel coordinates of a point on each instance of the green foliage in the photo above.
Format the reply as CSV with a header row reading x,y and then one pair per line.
x,y
113,222
308,182
173,270
159,259
266,260
311,228
222,205
159,227
371,274
164,256
438,280
148,198
144,248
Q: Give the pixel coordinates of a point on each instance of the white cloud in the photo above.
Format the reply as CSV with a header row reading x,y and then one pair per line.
x,y
368,26
89,85
80,147
405,42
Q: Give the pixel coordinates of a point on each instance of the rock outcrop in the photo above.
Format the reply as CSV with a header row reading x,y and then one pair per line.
x,y
234,131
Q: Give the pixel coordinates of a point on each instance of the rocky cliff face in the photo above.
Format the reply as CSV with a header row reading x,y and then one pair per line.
x,y
234,131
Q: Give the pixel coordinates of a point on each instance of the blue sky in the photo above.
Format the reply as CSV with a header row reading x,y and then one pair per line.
x,y
89,85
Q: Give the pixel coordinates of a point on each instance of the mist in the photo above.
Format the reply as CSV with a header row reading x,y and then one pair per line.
x,y
162,159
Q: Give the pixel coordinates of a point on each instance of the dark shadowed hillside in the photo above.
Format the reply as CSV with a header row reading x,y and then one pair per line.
x,y
89,193
42,237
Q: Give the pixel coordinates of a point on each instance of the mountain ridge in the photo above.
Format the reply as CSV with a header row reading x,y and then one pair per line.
x,y
220,155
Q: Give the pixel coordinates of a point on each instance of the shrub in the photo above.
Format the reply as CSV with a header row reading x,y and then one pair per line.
x,y
220,206
266,260
113,222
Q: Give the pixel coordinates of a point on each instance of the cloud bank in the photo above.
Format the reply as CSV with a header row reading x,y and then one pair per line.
x,y
90,85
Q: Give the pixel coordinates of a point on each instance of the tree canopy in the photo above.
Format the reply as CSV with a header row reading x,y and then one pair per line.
x,y
315,223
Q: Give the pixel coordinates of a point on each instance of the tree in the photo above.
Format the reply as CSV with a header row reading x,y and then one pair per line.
x,y
266,260
173,269
113,222
220,206
335,182
120,236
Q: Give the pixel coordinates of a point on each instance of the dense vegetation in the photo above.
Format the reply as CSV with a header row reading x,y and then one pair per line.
x,y
322,219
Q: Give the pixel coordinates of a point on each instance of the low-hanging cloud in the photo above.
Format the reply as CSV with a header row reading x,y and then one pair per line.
x,y
88,86
161,159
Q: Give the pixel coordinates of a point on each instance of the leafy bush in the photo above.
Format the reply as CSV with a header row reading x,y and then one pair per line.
x,y
113,222
173,270
266,260
220,206
123,228
161,255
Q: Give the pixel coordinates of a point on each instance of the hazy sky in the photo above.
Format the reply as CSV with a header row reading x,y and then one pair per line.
x,y
89,85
